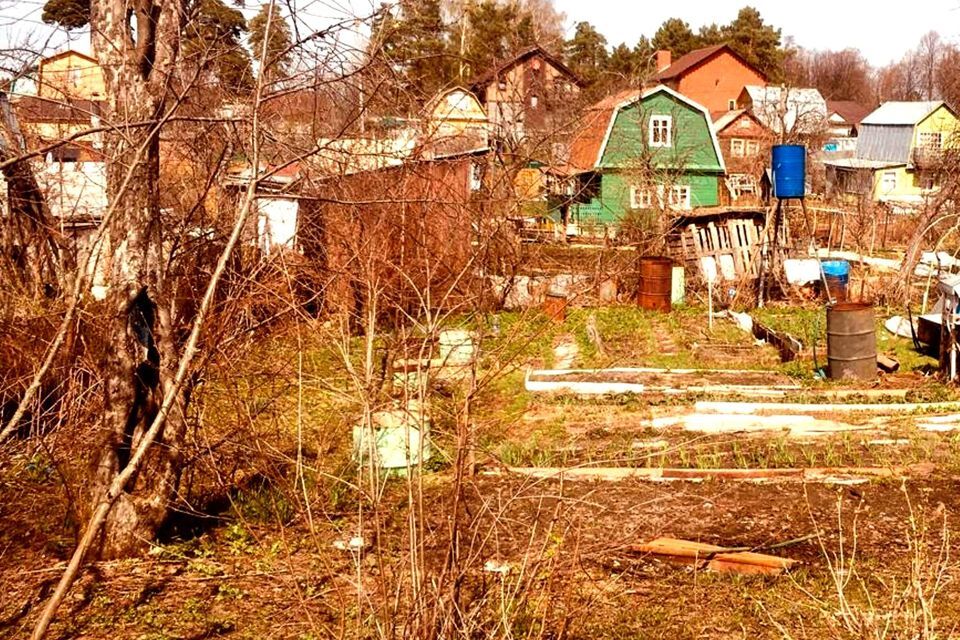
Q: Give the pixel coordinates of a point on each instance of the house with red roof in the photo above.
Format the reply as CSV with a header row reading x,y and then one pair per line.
x,y
641,153
843,122
711,76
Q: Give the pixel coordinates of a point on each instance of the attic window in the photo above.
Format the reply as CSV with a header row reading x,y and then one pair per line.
x,y
534,101
502,84
660,131
731,105
931,140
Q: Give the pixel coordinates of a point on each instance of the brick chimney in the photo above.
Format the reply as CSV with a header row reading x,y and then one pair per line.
x,y
663,60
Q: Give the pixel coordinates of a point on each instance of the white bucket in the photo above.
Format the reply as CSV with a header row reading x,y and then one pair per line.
x,y
398,437
456,346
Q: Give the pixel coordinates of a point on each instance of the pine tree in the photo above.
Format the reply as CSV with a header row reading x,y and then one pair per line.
x,y
586,52
414,42
496,32
278,41
757,42
69,14
675,36
212,38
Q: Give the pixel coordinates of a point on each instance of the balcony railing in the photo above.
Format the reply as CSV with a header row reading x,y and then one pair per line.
x,y
927,157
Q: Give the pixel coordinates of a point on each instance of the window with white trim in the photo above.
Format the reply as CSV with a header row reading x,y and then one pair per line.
x,y
753,147
738,147
678,197
661,131
930,140
641,198
888,182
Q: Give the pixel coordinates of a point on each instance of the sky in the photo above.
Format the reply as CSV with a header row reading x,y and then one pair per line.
x,y
882,30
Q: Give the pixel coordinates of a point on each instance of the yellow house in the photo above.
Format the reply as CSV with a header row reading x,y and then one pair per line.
x,y
70,75
454,122
900,153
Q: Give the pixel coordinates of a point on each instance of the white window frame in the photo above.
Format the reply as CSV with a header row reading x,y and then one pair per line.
x,y
734,144
884,183
534,101
925,138
641,198
662,125
752,147
679,197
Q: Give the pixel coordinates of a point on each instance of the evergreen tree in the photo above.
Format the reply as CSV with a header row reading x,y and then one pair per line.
x,y
212,38
414,43
586,52
623,62
675,36
643,53
495,32
710,34
757,42
278,41
69,14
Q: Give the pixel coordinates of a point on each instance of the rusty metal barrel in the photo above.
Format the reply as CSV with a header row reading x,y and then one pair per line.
x,y
851,341
656,283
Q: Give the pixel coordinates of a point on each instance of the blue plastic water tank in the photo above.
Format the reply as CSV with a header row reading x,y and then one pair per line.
x,y
789,170
836,268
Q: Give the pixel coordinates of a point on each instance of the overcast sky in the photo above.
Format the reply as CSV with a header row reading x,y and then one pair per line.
x,y
882,29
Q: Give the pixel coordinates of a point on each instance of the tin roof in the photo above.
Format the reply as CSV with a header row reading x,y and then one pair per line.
x,y
884,142
902,113
806,110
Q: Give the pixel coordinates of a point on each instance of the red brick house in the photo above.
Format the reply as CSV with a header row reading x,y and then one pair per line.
x,y
712,76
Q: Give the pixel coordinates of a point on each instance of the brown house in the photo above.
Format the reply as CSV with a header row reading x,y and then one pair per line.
x,y
713,76
745,145
521,94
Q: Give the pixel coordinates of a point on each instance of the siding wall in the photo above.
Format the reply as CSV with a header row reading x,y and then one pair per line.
x,y
692,147
614,201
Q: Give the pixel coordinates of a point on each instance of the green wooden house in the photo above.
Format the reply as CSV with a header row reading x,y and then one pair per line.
x,y
651,151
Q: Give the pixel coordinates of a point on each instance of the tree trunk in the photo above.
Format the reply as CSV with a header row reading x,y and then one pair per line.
x,y
141,354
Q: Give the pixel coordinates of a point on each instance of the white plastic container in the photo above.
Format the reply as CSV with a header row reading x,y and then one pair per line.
x,y
397,438
456,346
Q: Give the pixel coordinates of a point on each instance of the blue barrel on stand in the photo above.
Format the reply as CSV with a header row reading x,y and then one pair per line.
x,y
789,170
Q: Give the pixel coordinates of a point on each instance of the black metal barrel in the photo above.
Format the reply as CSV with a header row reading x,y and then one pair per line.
x,y
851,341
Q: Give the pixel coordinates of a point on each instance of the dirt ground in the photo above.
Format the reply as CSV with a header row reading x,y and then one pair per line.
x,y
539,558
567,542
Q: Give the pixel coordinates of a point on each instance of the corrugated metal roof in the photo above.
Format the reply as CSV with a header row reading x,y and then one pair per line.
x,y
902,113
884,142
860,163
806,110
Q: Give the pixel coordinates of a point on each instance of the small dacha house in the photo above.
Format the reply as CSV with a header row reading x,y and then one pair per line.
x,y
642,152
901,154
